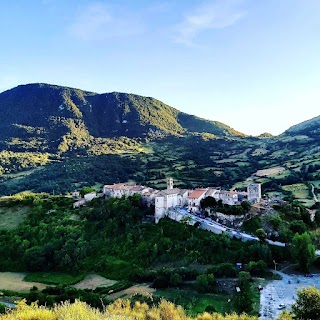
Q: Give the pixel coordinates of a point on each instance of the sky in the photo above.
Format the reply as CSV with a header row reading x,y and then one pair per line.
x,y
251,64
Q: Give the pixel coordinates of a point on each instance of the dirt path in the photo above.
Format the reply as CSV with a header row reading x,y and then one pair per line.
x,y
14,281
92,281
143,289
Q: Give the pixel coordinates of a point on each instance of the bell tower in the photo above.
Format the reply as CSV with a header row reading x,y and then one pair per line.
x,y
170,183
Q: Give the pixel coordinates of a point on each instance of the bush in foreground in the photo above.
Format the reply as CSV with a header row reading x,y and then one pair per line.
x,y
119,310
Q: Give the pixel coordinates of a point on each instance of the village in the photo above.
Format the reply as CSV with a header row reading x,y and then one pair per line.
x,y
171,199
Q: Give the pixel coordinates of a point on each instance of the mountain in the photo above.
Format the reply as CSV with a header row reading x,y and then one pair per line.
x,y
59,138
310,128
53,117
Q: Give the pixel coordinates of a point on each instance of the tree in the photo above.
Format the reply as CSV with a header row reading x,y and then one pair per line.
x,y
175,280
303,251
298,226
246,205
256,268
86,190
244,299
307,305
261,234
208,202
286,315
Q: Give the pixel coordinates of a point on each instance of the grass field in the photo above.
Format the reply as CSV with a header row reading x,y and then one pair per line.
x,y
10,218
281,175
259,151
53,278
243,163
275,194
299,190
194,302
269,171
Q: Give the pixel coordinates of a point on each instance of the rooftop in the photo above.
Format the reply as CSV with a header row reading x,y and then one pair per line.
x,y
195,194
114,186
168,192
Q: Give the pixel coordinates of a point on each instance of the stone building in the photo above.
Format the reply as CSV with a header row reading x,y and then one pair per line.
x,y
254,192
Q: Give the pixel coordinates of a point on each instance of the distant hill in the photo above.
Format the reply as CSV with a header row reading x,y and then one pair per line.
x,y
265,135
55,117
310,128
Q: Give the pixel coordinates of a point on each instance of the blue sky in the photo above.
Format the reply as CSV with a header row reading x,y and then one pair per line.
x,y
252,64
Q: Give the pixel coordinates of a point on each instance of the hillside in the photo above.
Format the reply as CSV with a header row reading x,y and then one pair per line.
x,y
310,128
60,119
56,139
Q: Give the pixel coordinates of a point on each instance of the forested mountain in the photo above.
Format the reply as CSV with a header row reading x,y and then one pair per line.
x,y
55,118
80,138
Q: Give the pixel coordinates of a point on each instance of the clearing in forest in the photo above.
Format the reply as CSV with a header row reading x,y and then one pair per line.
x,y
14,281
11,217
268,172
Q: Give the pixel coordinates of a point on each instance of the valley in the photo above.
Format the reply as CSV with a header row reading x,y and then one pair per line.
x,y
56,140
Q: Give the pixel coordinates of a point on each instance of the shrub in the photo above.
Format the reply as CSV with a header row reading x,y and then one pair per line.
x,y
206,283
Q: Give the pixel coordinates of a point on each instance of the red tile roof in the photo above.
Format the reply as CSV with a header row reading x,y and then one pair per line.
x,y
195,194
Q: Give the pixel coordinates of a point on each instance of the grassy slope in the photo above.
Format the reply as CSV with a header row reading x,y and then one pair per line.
x,y
194,302
10,218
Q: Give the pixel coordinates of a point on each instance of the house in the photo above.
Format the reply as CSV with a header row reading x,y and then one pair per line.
x,y
149,197
79,203
109,190
121,189
228,197
138,190
75,194
165,200
194,198
89,196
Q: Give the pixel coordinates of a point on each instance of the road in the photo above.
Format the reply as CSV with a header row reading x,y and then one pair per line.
x,y
314,195
179,214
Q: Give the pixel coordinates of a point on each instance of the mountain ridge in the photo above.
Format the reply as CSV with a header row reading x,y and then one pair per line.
x,y
61,115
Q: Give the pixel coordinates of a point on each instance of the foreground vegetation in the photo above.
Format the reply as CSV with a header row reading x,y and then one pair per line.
x,y
307,307
114,238
117,239
120,310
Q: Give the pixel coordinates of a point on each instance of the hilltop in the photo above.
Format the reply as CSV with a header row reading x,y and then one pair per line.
x,y
310,128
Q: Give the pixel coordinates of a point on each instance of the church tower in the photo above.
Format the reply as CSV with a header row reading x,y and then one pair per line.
x,y
169,183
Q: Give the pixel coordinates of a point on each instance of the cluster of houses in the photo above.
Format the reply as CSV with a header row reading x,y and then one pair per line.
x,y
164,200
